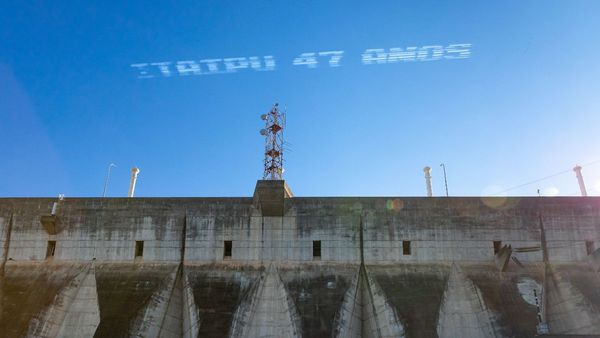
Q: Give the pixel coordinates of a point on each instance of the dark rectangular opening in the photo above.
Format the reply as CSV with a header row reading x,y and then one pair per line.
x,y
50,249
497,246
406,248
139,249
316,249
227,249
589,247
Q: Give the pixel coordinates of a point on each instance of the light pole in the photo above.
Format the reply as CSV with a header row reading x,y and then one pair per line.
x,y
445,179
110,166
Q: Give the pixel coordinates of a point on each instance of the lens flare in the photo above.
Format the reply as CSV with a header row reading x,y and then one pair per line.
x,y
492,190
394,204
550,191
491,198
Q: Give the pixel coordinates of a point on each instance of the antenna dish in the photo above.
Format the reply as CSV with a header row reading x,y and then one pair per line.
x,y
263,132
263,117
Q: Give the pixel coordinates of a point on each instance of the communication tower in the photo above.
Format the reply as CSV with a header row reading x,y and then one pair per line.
x,y
273,133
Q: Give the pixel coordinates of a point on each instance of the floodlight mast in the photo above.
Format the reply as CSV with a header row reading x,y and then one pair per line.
x,y
273,133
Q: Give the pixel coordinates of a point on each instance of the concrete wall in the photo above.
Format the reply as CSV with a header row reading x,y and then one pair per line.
x,y
363,283
439,229
102,229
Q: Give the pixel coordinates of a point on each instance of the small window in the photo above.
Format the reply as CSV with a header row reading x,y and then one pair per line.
x,y
316,250
589,247
227,249
139,249
51,248
406,248
497,246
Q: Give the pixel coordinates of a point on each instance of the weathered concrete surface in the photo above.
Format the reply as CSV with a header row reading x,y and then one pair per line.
x,y
502,257
415,293
74,312
440,229
463,311
218,290
594,260
509,297
330,300
366,312
51,223
271,312
163,315
182,284
27,290
125,290
171,311
568,310
349,319
270,197
318,292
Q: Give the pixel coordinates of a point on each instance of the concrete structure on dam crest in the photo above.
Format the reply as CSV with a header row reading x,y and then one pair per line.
x,y
274,265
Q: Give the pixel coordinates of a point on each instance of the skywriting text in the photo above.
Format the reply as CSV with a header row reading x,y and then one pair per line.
x,y
309,60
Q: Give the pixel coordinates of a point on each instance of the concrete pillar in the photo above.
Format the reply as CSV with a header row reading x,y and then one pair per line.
x,y
427,171
55,204
134,172
577,171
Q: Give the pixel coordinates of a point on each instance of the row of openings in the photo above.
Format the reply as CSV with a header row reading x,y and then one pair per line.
x,y
316,248
51,249
227,249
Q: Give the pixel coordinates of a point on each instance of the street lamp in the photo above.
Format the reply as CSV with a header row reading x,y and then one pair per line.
x,y
110,166
445,179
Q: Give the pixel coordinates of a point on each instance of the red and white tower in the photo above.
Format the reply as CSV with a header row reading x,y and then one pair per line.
x,y
273,132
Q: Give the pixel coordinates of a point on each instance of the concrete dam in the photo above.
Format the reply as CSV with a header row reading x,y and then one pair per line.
x,y
274,265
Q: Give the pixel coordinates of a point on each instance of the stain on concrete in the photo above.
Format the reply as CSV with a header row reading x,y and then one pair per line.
x,y
212,290
415,292
218,291
123,291
318,293
513,316
27,290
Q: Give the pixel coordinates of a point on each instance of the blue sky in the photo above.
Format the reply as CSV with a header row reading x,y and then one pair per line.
x,y
525,105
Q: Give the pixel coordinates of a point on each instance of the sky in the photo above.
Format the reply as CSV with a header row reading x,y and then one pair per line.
x,y
523,106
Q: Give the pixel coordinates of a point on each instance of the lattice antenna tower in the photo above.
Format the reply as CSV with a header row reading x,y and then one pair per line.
x,y
273,133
